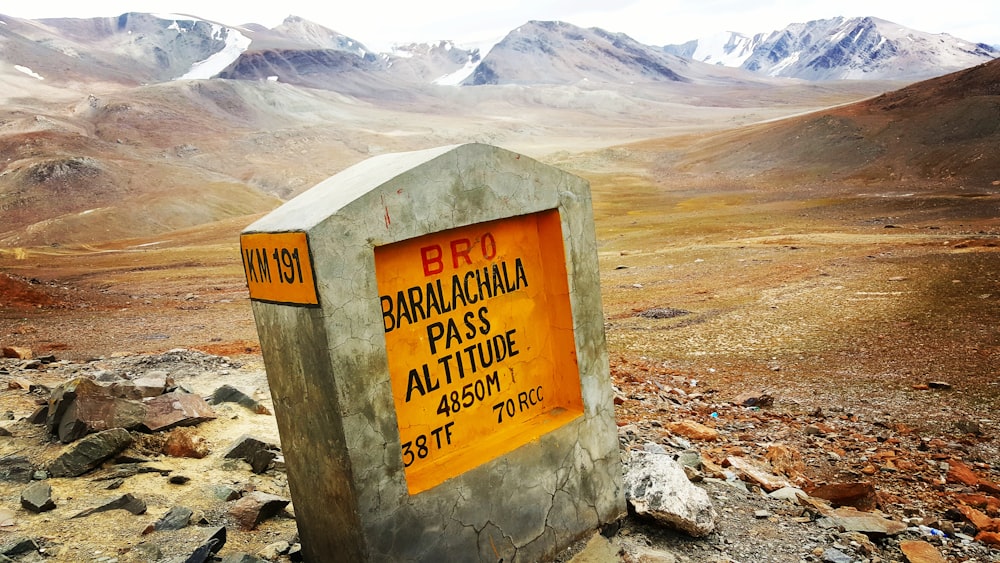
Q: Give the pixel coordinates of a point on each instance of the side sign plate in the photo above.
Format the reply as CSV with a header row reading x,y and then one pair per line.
x,y
279,269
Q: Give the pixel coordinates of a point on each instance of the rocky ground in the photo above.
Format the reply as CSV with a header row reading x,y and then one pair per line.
x,y
841,342
924,493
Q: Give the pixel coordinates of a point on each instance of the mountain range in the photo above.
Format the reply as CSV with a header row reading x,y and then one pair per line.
x,y
839,48
137,48
103,121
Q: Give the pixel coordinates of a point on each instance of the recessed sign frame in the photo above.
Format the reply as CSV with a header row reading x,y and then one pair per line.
x,y
479,339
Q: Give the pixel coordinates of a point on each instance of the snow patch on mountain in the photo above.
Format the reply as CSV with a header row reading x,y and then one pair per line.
x,y
236,44
727,49
28,71
457,77
476,50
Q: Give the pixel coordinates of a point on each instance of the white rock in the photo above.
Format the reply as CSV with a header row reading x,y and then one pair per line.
x,y
656,486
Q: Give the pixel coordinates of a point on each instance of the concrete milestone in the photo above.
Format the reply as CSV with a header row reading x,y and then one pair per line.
x,y
432,330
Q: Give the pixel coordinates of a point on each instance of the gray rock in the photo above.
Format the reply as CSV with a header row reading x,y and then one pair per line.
x,y
653,448
833,555
690,458
90,452
176,518
222,492
790,494
245,446
853,520
39,416
37,497
18,545
656,486
257,453
125,502
230,394
274,550
211,546
16,469
242,558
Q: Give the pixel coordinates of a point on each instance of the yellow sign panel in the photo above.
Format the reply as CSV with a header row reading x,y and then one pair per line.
x,y
278,268
479,334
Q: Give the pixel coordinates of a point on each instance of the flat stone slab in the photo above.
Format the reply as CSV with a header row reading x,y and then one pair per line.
x,y
127,502
176,409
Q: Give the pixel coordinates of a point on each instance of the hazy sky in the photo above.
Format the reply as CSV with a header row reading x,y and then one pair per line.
x,y
379,23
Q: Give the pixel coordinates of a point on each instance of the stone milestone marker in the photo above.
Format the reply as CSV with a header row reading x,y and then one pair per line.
x,y
432,331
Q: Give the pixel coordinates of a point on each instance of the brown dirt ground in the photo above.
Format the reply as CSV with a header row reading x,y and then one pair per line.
x,y
832,297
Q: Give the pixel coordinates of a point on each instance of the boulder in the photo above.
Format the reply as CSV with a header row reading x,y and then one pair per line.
x,y
256,507
37,497
176,518
184,442
81,406
90,452
656,486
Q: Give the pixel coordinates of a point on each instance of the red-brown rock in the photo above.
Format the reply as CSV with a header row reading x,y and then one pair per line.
x,y
858,495
989,505
982,522
959,472
18,352
184,442
256,507
176,409
989,538
785,460
693,430
921,552
989,487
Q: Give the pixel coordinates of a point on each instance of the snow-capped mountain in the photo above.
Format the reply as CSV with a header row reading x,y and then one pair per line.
x,y
137,48
131,48
841,48
441,62
730,48
552,52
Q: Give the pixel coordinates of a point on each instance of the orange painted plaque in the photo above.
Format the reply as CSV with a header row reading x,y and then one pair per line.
x,y
479,336
278,268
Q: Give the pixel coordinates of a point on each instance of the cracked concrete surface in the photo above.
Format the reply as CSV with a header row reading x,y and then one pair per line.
x,y
329,375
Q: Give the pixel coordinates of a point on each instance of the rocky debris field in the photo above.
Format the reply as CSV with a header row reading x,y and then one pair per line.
x,y
166,457
175,457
